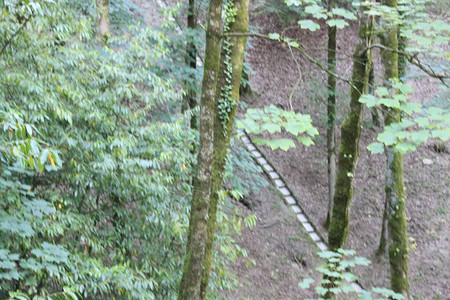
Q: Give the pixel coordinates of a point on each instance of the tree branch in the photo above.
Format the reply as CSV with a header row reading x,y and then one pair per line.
x,y
299,49
412,58
15,34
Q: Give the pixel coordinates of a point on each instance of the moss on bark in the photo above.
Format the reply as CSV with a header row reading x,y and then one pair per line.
x,y
197,235
395,188
350,135
223,132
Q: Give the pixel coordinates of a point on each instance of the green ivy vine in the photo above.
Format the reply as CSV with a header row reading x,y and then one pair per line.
x,y
226,101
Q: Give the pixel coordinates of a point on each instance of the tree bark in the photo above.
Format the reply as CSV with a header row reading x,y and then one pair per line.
x,y
103,21
224,122
395,188
350,135
331,115
197,234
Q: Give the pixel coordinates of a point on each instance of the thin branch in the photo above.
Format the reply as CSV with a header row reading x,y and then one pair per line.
x,y
298,80
14,35
299,49
412,58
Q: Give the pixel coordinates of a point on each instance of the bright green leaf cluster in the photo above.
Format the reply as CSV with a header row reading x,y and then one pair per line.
x,y
418,125
273,119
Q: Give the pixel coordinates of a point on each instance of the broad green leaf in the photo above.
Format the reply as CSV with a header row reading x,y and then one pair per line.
x,y
343,13
306,283
309,24
338,23
274,36
376,148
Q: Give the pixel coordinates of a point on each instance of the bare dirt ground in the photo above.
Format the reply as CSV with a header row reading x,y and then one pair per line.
x,y
280,252
304,169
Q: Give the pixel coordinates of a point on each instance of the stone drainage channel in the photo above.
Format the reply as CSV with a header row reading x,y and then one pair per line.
x,y
288,196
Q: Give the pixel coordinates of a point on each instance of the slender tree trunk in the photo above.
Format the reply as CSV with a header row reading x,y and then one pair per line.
x,y
103,21
395,188
226,104
190,100
331,113
402,65
373,111
350,135
245,89
197,235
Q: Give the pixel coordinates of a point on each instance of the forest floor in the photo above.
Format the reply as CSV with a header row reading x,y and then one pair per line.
x,y
304,169
282,252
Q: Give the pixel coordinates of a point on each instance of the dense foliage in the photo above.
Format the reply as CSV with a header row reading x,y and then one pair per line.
x,y
95,162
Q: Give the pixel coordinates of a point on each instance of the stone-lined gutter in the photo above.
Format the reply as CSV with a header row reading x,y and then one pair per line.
x,y
291,201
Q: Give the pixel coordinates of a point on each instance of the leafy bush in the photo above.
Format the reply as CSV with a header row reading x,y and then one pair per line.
x,y
110,220
337,277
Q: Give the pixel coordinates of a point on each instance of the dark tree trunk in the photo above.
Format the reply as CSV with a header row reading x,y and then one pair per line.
x,y
395,188
190,99
350,135
197,235
331,115
226,104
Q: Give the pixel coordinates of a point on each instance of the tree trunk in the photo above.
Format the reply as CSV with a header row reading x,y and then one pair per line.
x,y
245,89
197,235
395,188
190,100
331,114
227,98
350,135
373,111
103,21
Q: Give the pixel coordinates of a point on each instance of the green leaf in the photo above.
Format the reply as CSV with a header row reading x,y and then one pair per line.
x,y
376,148
274,36
309,24
338,23
306,283
316,11
321,290
410,107
343,13
382,91
307,141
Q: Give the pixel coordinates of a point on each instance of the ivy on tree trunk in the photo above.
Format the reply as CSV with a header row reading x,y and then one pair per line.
x,y
197,234
224,122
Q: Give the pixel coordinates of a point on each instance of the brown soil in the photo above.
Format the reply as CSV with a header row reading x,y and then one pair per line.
x,y
280,252
304,170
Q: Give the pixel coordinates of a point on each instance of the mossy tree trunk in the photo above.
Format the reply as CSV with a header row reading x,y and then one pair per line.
x,y
197,234
402,65
350,136
190,99
395,188
331,115
226,105
103,22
